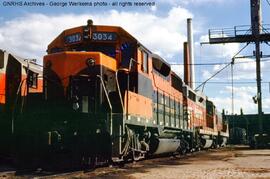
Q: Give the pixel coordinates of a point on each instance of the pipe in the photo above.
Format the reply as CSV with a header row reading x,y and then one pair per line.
x,y
191,53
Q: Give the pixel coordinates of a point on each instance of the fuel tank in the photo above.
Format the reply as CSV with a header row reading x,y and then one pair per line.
x,y
166,146
206,142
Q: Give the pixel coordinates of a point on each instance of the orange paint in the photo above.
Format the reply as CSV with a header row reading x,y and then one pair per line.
x,y
59,41
23,86
2,88
67,64
139,105
39,88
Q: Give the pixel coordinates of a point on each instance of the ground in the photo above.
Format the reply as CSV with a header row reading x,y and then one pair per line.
x,y
230,162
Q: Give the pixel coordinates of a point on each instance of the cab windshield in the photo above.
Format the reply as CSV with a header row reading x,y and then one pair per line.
x,y
107,49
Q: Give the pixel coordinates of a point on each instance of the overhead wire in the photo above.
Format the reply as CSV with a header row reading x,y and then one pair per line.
x,y
235,82
219,71
219,63
268,2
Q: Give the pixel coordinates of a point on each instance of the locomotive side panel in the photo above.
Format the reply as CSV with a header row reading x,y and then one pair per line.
x,y
2,79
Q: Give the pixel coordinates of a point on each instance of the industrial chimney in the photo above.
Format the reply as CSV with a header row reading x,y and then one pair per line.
x,y
187,76
190,55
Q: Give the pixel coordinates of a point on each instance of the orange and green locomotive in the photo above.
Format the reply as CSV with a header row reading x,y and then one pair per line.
x,y
20,81
106,97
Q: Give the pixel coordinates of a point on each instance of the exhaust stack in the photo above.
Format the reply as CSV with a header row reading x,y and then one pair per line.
x,y
190,48
187,76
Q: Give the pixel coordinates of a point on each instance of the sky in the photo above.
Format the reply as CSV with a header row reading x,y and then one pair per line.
x,y
27,30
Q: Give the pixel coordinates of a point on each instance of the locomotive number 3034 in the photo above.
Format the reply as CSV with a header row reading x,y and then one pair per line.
x,y
103,36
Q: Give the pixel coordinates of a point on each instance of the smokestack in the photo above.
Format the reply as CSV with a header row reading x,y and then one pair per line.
x,y
187,76
191,53
256,16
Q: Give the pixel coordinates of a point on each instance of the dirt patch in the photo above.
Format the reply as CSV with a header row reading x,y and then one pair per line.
x,y
238,162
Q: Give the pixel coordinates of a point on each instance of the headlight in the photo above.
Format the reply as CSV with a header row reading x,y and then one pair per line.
x,y
90,62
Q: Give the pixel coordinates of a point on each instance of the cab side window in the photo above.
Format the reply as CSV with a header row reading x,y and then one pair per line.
x,y
144,62
32,79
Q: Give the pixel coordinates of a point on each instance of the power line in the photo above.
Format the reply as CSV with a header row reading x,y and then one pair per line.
x,y
268,2
203,83
231,63
219,63
199,64
235,82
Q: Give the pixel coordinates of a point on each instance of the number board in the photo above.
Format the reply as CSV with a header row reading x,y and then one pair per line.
x,y
104,36
73,38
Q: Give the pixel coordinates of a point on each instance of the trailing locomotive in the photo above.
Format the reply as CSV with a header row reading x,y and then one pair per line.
x,y
20,81
106,98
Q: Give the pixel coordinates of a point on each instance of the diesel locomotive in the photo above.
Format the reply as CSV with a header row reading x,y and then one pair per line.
x,y
104,97
20,80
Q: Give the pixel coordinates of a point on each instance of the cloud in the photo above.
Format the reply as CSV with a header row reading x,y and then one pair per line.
x,y
242,99
199,2
206,74
194,2
226,51
266,104
179,70
245,70
29,35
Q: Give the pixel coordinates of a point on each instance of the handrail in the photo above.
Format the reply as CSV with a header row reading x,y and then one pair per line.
x,y
118,88
240,30
15,104
106,93
108,99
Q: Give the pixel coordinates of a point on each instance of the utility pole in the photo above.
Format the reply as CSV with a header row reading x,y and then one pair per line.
x,y
255,33
256,25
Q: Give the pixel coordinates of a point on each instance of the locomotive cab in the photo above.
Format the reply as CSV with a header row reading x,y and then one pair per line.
x,y
96,53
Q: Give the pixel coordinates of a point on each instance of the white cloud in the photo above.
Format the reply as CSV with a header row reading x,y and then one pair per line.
x,y
154,8
226,51
214,54
195,2
202,1
242,99
179,70
245,70
266,104
29,35
206,74
241,90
